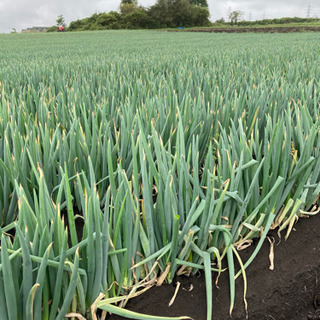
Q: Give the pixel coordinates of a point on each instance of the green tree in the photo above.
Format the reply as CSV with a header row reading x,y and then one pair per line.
x,y
128,2
126,8
139,19
179,13
76,25
200,16
200,3
60,21
220,21
106,19
53,29
159,12
234,16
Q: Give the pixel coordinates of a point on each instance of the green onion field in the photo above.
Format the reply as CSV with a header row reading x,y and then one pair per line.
x,y
127,157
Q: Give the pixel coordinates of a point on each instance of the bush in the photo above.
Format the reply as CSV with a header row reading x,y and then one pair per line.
x,y
165,13
76,25
139,19
220,21
53,29
107,19
200,3
115,26
179,13
126,8
278,21
200,16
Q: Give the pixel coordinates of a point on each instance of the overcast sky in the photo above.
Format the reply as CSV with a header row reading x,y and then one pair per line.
x,y
22,14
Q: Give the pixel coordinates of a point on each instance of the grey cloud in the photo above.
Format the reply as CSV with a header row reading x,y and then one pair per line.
x,y
21,14
261,8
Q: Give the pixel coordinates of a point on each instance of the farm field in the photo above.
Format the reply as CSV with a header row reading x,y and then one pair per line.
x,y
128,157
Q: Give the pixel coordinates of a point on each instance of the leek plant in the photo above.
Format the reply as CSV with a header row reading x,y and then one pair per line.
x,y
119,169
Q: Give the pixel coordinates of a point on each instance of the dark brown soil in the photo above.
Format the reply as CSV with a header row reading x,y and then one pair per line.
x,y
79,223
254,29
290,291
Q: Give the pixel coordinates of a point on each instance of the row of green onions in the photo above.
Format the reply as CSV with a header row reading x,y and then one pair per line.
x,y
165,166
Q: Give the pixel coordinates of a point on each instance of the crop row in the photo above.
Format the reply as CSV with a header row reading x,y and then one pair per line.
x,y
116,174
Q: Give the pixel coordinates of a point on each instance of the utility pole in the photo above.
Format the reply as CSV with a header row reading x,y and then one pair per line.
x,y
308,10
250,16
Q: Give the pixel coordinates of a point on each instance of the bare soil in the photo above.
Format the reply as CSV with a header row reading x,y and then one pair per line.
x,y
254,29
290,292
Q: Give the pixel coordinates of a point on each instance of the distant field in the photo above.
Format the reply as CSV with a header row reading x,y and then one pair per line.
x,y
129,156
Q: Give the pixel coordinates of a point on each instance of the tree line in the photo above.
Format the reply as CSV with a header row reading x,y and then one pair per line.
x,y
131,15
235,18
165,14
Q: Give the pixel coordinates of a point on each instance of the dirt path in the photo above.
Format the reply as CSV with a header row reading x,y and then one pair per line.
x,y
287,292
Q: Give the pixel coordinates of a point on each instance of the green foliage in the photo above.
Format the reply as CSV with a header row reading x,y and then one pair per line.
x,y
76,25
220,21
108,20
287,20
167,150
179,13
124,2
53,29
280,21
127,8
234,17
139,19
165,13
60,21
200,16
201,3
